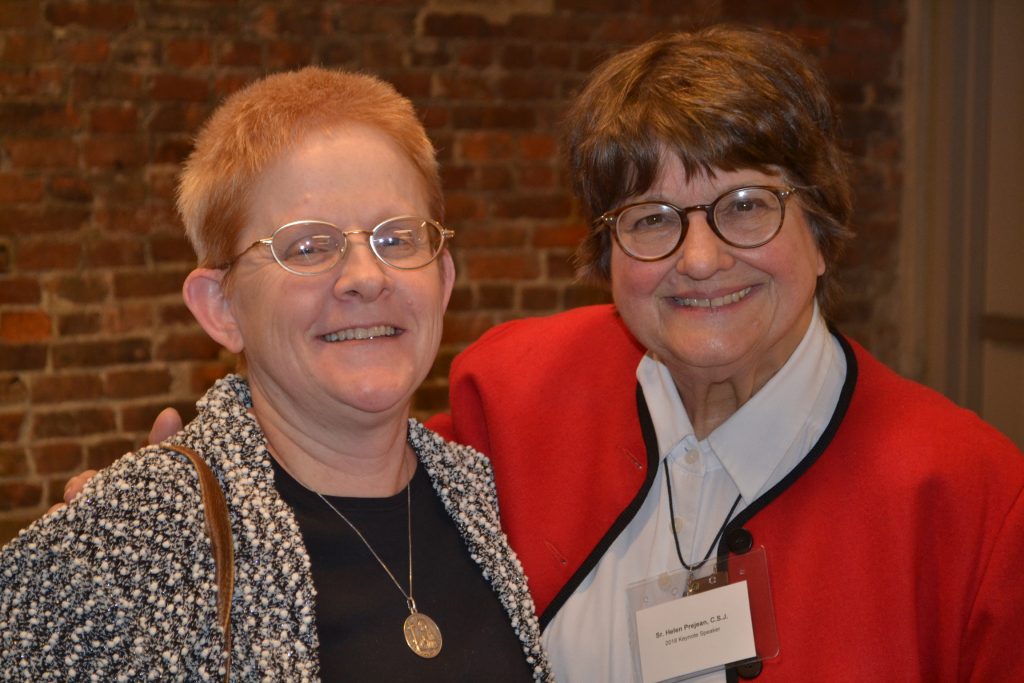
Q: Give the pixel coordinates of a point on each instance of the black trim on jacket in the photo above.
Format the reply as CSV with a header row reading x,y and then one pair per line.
x,y
651,443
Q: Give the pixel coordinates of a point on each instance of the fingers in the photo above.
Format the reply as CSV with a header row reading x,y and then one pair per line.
x,y
75,485
55,507
165,425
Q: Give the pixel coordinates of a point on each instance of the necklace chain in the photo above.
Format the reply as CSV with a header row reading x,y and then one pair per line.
x,y
422,634
408,507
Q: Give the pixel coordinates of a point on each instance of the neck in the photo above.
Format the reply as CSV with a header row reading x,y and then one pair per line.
x,y
360,458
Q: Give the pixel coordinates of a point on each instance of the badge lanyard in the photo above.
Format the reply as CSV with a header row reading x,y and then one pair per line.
x,y
675,534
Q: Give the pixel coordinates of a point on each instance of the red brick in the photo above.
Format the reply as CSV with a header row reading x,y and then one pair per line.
x,y
114,151
71,188
93,14
140,418
19,357
36,219
48,255
492,235
178,117
518,56
203,375
19,188
42,153
97,354
565,235
463,206
179,88
176,314
13,462
12,390
72,324
81,289
11,525
122,118
558,264
18,327
517,87
465,327
540,298
583,295
486,146
184,53
456,25
19,14
494,177
19,495
114,252
25,50
10,425
126,318
52,458
537,177
147,284
243,53
19,290
537,146
103,453
510,265
173,150
188,346
85,50
30,116
496,116
550,205
136,383
288,55
496,296
80,422
57,388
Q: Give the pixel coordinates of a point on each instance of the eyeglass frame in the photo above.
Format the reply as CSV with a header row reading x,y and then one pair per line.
x,y
446,234
609,220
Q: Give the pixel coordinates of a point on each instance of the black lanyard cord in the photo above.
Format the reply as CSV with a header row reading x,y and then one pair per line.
x,y
675,534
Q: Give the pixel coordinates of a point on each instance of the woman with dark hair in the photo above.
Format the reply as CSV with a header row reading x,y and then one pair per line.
x,y
711,422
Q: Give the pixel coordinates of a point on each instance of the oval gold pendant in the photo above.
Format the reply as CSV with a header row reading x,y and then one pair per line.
x,y
422,635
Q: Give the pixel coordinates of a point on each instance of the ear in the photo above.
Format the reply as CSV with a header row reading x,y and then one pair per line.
x,y
447,276
204,295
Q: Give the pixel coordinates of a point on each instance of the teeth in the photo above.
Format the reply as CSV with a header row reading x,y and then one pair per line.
x,y
360,333
716,302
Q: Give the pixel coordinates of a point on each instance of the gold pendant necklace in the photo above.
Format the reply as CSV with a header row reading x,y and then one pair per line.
x,y
421,632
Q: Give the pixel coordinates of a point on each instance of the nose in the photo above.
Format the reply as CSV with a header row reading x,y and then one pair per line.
x,y
702,253
361,274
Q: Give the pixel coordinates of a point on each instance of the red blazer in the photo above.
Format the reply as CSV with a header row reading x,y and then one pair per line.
x,y
895,549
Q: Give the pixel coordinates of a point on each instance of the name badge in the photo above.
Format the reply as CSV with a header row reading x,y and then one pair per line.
x,y
686,624
695,634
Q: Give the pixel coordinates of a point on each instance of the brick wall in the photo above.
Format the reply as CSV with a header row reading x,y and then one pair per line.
x,y
98,103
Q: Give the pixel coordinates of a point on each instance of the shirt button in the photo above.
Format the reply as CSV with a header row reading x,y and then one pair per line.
x,y
691,457
739,541
680,523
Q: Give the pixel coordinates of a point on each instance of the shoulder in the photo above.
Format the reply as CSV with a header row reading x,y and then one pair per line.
x,y
592,340
906,414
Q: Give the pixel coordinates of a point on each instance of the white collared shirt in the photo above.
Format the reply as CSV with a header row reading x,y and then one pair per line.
x,y
588,640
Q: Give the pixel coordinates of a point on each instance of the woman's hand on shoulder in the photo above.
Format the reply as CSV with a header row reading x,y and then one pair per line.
x,y
167,423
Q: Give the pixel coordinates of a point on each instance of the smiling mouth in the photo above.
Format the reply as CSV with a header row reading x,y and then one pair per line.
x,y
375,332
713,303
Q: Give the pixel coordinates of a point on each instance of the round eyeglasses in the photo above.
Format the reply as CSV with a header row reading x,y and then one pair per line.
x,y
746,217
311,247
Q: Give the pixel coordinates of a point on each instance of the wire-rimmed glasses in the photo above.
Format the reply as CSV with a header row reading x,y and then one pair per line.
x,y
746,217
309,247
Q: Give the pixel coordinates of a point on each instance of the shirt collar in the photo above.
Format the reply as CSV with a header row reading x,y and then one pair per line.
x,y
771,432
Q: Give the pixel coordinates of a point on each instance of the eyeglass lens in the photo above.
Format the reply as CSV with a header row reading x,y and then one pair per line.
x,y
743,217
312,247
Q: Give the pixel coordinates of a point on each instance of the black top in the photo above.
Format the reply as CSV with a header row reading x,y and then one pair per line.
x,y
360,611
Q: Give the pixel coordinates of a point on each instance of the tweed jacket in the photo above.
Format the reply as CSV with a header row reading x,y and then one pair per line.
x,y
120,584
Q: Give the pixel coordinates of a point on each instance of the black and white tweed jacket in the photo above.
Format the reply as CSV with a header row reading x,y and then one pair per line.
x,y
120,584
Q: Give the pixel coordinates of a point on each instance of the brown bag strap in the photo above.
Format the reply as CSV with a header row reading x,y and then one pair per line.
x,y
218,527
